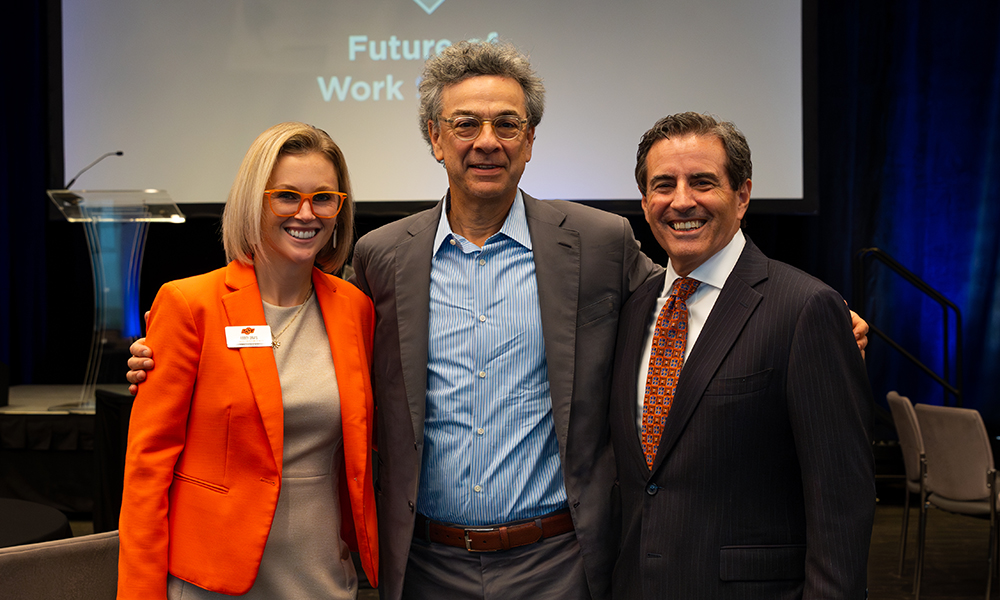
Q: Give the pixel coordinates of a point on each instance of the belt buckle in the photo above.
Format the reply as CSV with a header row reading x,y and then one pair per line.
x,y
468,542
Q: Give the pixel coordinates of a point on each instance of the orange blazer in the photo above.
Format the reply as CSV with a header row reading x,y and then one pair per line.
x,y
203,466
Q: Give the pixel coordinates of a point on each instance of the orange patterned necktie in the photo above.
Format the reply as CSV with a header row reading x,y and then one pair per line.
x,y
665,361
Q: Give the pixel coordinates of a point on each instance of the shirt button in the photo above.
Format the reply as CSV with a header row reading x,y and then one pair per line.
x,y
482,374
452,241
480,431
482,318
482,261
478,488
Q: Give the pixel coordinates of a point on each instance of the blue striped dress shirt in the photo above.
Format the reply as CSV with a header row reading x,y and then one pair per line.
x,y
490,449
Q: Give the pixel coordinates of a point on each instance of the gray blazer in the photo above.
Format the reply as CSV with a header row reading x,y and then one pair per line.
x,y
587,263
763,484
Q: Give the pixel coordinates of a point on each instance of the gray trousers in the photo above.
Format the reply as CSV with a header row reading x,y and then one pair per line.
x,y
549,569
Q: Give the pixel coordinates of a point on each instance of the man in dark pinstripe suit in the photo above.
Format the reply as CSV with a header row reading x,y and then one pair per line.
x,y
761,484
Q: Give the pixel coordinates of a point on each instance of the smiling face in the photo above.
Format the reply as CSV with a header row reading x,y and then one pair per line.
x,y
295,241
486,168
689,204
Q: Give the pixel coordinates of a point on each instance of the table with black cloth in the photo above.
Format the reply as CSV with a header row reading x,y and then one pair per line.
x,y
47,451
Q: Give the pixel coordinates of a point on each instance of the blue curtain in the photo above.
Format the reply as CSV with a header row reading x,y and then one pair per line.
x,y
910,100
23,204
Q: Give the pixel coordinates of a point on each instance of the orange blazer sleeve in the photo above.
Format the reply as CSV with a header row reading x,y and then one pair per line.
x,y
349,317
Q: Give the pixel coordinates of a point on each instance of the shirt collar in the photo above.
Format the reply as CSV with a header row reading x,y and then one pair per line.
x,y
514,227
714,271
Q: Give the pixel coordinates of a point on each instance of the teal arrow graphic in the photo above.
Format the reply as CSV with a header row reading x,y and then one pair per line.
x,y
429,6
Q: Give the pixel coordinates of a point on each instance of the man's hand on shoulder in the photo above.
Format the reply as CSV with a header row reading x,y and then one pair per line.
x,y
141,361
860,327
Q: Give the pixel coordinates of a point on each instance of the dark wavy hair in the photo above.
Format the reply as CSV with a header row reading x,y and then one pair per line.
x,y
738,166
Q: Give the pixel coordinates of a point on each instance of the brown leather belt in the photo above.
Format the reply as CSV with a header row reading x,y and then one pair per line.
x,y
494,537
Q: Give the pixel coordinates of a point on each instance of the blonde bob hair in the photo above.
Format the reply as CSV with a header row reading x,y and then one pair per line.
x,y
243,217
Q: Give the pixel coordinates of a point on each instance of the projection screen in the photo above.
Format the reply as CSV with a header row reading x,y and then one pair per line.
x,y
183,87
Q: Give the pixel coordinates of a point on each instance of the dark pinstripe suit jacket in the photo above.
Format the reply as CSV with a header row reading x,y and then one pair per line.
x,y
763,483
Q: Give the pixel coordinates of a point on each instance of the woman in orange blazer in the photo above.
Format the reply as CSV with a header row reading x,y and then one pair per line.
x,y
248,468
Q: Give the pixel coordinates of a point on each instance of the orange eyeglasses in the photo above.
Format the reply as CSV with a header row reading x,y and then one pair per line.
x,y
325,204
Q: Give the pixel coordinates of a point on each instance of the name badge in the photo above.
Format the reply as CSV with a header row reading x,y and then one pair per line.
x,y
248,336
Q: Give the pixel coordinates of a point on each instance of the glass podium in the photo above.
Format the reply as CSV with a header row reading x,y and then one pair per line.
x,y
115,224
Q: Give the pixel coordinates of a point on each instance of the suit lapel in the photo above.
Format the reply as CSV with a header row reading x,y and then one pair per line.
x,y
737,301
412,260
557,274
243,307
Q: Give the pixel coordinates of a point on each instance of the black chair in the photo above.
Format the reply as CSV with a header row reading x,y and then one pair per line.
x,y
959,476
912,445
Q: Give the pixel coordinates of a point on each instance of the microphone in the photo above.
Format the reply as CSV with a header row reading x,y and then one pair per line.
x,y
84,170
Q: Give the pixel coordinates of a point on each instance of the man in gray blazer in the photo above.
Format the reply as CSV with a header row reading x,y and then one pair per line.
x,y
760,479
496,322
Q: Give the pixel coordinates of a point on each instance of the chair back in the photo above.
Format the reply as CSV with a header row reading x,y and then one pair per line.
x,y
80,568
959,455
908,429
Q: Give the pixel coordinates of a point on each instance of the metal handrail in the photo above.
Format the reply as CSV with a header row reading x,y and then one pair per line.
x,y
865,256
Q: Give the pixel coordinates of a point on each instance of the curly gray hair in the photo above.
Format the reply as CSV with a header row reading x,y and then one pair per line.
x,y
469,59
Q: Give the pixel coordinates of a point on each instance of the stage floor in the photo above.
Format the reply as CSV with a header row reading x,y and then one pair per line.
x,y
53,399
